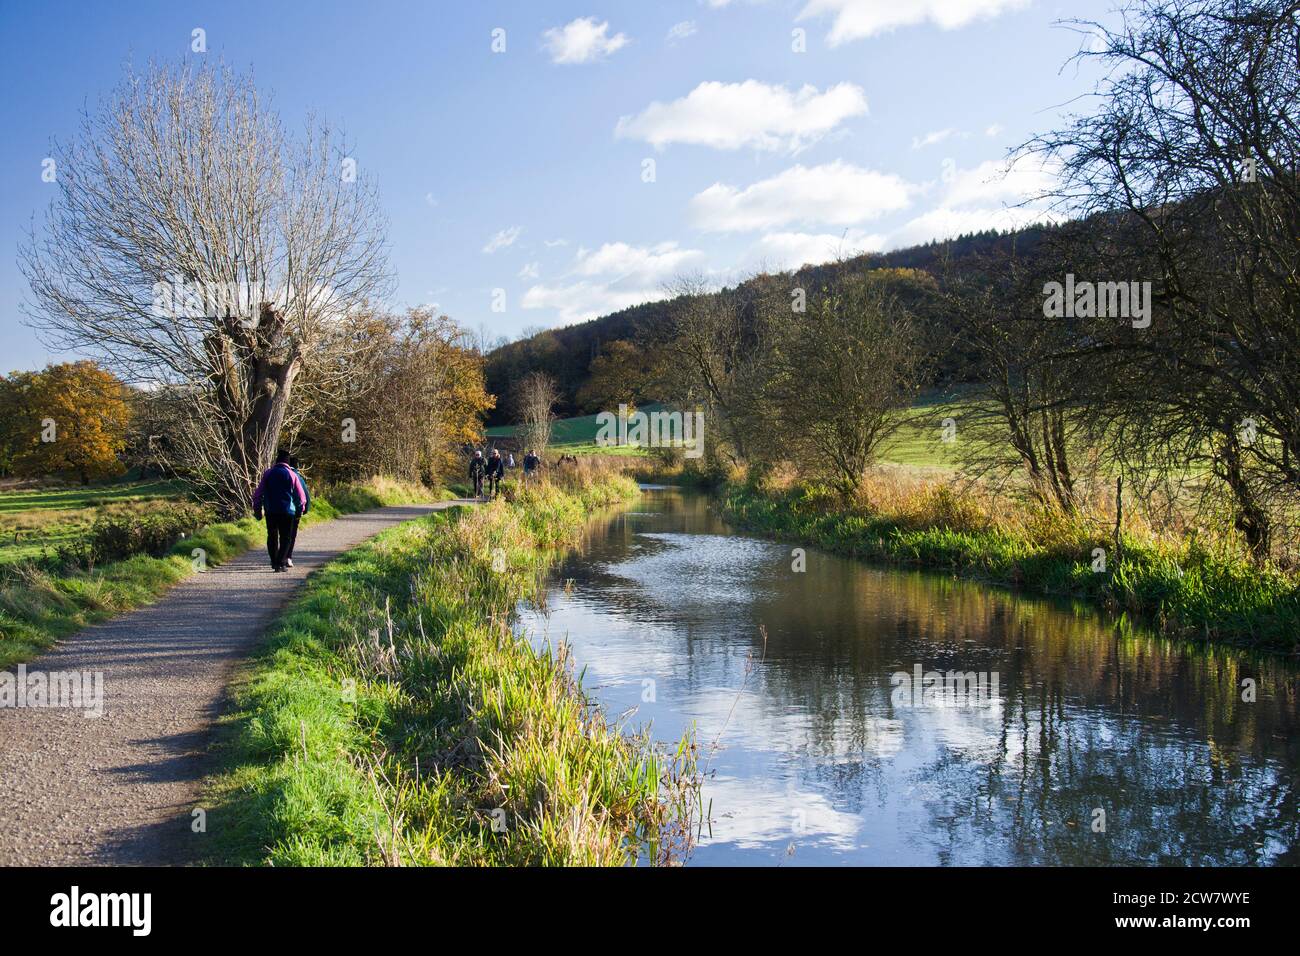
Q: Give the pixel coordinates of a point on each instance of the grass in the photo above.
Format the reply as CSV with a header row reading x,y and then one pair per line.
x,y
576,436
394,718
917,441
37,606
33,522
1197,586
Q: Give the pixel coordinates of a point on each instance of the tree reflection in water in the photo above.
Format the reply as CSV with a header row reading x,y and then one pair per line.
x,y
1090,716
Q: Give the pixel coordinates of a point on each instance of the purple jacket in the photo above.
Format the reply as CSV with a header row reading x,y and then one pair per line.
x,y
280,492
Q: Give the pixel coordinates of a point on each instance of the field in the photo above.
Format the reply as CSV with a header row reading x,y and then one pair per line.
x,y
577,436
917,442
36,520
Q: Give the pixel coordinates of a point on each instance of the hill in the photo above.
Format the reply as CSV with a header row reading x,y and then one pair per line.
x,y
566,353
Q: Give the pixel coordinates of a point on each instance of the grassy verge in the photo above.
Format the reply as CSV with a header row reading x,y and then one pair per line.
x,y
394,718
37,607
36,521
1192,588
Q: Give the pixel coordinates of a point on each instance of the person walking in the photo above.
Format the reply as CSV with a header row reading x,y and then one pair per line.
x,y
281,496
531,464
306,506
496,470
477,468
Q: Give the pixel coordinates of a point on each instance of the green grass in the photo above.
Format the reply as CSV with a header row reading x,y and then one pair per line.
x,y
394,718
37,606
917,441
89,496
34,522
1190,589
578,435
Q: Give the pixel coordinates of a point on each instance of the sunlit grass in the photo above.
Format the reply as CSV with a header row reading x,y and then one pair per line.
x,y
39,605
395,718
1190,585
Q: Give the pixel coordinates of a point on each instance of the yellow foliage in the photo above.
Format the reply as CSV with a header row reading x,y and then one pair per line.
x,y
69,418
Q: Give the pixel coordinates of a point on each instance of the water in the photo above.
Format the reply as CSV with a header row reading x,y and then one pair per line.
x,y
812,763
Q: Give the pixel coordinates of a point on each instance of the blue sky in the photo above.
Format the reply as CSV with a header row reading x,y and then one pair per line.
x,y
526,170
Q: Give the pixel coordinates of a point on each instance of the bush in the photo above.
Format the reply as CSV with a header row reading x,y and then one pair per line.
x,y
113,537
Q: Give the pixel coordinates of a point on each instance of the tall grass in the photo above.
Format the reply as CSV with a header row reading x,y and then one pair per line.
x,y
1195,585
39,605
395,718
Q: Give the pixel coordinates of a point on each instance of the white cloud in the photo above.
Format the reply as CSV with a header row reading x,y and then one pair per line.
x,y
643,264
790,250
552,243
856,19
994,181
994,130
755,114
506,237
837,193
680,31
613,277
531,270
582,41
993,195
580,301
931,139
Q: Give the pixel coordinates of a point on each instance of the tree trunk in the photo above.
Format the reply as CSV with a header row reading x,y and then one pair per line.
x,y
1252,519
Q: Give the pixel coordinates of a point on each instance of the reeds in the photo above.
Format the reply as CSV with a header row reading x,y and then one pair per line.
x,y
1185,580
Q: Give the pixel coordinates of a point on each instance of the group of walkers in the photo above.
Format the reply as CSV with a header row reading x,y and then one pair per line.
x,y
493,469
282,494
283,498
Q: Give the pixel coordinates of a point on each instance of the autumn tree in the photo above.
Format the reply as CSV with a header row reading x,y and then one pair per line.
x,y
194,244
617,376
714,355
70,418
18,418
412,395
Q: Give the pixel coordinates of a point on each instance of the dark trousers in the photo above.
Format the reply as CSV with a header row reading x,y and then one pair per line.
x,y
293,534
478,486
494,485
279,538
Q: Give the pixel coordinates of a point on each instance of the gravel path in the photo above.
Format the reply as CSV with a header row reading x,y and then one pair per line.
x,y
119,789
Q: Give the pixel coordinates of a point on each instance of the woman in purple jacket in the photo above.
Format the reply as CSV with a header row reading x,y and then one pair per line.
x,y
280,494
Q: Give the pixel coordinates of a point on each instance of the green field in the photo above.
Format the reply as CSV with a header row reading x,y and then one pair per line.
x,y
577,436
36,520
40,604
917,443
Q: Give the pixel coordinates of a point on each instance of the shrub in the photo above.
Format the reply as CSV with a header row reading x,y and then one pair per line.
x,y
121,536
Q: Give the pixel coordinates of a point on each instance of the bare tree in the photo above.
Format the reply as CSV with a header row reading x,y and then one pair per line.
x,y
715,353
534,399
1193,152
841,375
1034,372
193,244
